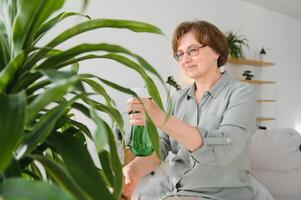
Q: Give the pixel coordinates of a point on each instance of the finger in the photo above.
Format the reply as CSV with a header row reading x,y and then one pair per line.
x,y
137,122
133,101
123,197
128,190
138,100
134,107
127,179
138,116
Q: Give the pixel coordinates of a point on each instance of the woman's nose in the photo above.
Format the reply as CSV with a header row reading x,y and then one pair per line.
x,y
186,58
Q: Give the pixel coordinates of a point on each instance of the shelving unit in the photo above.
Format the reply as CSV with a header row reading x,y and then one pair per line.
x,y
262,119
258,82
265,100
255,63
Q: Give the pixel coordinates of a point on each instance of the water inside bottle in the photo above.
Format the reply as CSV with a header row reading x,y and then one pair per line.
x,y
141,144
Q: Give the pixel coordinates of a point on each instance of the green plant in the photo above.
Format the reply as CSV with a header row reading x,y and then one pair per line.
x,y
43,150
236,43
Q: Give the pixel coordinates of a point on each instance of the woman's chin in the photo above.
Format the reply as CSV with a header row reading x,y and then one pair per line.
x,y
192,74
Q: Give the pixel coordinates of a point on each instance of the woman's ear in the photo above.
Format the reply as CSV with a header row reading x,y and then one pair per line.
x,y
217,55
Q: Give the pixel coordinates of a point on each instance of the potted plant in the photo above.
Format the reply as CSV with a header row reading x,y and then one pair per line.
x,y
43,151
236,44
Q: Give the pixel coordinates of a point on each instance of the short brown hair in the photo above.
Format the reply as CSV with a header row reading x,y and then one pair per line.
x,y
205,33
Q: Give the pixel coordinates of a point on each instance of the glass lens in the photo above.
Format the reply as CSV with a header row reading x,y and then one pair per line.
x,y
179,56
193,51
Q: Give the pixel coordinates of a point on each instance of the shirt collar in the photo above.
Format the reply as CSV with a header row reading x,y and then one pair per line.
x,y
215,90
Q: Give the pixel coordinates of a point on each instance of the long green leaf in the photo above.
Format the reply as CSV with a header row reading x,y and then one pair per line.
x,y
106,131
153,135
44,28
31,14
65,58
82,108
90,25
111,111
110,84
4,49
84,48
31,174
36,86
124,90
61,176
99,89
12,115
20,189
105,162
81,126
43,128
77,50
116,165
80,165
101,135
151,128
57,91
9,11
13,169
149,83
104,23
8,72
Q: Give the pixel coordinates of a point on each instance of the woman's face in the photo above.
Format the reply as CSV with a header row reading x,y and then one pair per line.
x,y
200,65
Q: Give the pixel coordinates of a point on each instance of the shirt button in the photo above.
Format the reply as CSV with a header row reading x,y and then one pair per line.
x,y
228,140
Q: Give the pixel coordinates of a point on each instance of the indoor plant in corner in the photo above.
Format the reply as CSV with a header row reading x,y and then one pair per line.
x,y
236,44
40,87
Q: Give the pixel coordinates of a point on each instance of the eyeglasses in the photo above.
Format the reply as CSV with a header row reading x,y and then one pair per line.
x,y
193,51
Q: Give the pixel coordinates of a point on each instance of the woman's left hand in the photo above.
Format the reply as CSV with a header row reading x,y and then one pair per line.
x,y
137,113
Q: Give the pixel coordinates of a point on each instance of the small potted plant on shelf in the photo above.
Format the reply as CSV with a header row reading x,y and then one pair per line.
x,y
248,75
236,44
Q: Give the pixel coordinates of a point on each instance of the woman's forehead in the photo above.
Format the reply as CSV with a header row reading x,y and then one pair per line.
x,y
187,40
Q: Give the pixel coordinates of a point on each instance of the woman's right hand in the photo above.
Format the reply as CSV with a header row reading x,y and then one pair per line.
x,y
130,181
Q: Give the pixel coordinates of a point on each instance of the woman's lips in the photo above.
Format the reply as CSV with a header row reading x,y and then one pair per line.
x,y
190,67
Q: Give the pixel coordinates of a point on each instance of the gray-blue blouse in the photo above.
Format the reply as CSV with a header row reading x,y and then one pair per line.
x,y
226,119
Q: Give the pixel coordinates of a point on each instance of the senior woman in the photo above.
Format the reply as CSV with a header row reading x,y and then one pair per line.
x,y
210,128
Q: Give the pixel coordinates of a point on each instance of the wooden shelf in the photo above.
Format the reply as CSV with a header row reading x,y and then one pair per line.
x,y
259,82
263,119
255,63
243,61
265,100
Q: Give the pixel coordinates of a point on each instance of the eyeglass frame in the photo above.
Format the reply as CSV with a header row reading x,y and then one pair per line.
x,y
188,52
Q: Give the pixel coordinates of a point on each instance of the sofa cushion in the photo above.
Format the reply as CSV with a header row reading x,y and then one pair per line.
x,y
260,191
276,162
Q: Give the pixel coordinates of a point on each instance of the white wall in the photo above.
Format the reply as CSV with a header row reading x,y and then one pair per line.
x,y
263,28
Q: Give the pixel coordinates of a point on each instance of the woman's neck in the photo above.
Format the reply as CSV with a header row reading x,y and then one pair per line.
x,y
207,82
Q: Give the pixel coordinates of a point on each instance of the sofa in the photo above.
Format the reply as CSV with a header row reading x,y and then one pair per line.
x,y
275,165
276,162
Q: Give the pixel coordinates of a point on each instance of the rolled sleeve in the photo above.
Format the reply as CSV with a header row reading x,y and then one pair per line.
x,y
222,146
164,145
230,139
